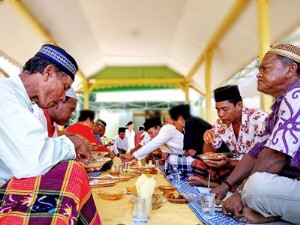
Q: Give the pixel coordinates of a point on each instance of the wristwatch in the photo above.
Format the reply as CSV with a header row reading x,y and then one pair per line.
x,y
240,189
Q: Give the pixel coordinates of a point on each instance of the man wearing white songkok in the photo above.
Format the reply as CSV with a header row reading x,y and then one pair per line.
x,y
59,115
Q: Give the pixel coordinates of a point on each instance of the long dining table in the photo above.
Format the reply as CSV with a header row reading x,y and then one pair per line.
x,y
119,212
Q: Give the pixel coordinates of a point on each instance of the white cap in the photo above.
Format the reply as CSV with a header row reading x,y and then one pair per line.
x,y
71,93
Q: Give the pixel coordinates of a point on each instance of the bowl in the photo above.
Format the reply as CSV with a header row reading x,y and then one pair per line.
x,y
111,195
114,173
180,198
167,188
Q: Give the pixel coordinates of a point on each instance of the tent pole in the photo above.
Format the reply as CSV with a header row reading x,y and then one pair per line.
x,y
263,7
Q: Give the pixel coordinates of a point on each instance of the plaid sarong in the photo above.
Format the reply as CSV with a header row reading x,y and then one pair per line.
x,y
178,164
61,196
202,170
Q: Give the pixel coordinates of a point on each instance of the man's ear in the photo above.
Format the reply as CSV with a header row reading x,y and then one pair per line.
x,y
292,70
239,105
48,72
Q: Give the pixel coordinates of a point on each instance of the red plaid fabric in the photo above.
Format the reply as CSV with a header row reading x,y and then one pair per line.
x,y
61,196
217,175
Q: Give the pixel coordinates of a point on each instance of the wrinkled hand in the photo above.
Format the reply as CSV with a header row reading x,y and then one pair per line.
x,y
217,163
220,191
233,206
126,158
209,136
82,149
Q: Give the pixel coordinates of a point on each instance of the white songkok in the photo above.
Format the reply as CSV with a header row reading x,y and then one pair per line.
x,y
71,93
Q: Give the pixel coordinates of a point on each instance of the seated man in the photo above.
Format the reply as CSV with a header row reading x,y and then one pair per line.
x,y
192,127
40,181
101,130
59,115
120,142
169,140
272,166
83,128
237,127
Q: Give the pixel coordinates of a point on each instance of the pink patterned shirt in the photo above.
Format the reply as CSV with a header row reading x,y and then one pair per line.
x,y
252,122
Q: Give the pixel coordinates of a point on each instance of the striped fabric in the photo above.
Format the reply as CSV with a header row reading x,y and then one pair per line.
x,y
217,219
61,196
202,170
176,163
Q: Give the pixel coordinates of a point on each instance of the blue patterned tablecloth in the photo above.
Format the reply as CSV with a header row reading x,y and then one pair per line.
x,y
217,219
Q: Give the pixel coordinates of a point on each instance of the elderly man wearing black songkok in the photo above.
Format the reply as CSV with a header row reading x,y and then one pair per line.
x,y
272,165
40,181
237,127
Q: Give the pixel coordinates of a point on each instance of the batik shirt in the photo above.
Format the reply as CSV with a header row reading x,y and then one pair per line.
x,y
252,123
282,131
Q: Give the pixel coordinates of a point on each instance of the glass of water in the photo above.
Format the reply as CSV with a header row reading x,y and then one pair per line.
x,y
207,201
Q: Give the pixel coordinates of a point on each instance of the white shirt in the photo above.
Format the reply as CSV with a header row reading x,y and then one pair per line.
x,y
26,150
130,135
169,139
120,143
146,138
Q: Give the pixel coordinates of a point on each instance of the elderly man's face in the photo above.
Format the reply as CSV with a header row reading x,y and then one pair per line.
x,y
52,89
63,113
271,76
228,112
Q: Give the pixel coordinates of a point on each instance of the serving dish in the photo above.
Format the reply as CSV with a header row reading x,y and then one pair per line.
x,y
111,195
102,183
178,198
167,188
212,156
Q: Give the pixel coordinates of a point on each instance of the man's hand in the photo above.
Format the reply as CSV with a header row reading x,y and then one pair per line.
x,y
233,206
217,163
190,152
220,191
82,149
126,158
209,136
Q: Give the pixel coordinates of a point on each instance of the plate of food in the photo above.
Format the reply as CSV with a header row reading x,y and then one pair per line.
x,y
102,183
178,198
167,188
110,195
94,164
212,156
124,177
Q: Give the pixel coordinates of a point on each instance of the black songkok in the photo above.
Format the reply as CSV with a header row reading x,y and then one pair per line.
x,y
153,122
129,123
59,58
122,129
180,110
229,92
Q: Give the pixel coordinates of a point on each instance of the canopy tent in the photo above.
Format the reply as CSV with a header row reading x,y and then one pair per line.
x,y
118,44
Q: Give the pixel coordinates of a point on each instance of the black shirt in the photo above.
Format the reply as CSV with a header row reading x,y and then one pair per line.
x,y
194,129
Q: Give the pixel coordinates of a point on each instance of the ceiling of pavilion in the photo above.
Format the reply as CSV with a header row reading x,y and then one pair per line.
x,y
118,42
